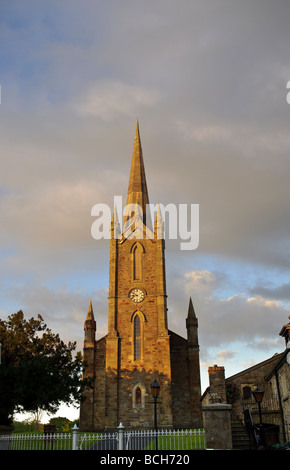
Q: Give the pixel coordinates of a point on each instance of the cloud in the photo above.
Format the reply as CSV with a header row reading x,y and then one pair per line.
x,y
204,282
49,217
63,309
266,344
226,355
110,100
281,292
207,81
227,319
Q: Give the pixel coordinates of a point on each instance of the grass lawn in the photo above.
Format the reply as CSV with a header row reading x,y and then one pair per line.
x,y
179,440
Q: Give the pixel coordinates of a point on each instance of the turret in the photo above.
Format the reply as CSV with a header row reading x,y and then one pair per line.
x,y
158,225
191,326
115,226
194,370
90,328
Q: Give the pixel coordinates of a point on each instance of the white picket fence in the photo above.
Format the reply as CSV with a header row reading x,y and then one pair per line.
x,y
36,441
122,439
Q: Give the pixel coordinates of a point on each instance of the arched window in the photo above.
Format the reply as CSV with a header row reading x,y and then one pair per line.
x,y
247,393
137,262
137,338
138,393
138,396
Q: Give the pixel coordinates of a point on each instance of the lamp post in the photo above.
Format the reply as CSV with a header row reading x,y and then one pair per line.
x,y
258,395
155,388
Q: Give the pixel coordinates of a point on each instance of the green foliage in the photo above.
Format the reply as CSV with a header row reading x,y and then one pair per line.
x,y
62,424
23,426
38,370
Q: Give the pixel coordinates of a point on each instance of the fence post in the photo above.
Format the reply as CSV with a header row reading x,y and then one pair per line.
x,y
120,436
75,442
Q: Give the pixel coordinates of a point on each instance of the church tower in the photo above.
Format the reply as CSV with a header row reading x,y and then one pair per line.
x,y
139,347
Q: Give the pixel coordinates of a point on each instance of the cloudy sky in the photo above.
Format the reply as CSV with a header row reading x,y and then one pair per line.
x,y
207,80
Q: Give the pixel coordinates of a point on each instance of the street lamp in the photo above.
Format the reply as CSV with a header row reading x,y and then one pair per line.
x,y
155,388
258,395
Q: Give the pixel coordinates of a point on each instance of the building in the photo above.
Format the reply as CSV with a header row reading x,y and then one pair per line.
x,y
272,376
278,382
139,347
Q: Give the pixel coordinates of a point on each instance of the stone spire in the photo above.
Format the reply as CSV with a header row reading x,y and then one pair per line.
x,y
192,325
137,188
115,226
90,328
90,314
191,312
158,224
193,361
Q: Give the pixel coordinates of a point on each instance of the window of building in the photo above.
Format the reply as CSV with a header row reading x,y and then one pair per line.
x,y
247,392
137,262
138,393
138,396
137,338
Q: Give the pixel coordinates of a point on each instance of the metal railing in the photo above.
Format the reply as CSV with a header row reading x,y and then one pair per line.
x,y
36,441
121,439
268,404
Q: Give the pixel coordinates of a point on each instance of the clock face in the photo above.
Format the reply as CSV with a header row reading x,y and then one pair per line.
x,y
136,295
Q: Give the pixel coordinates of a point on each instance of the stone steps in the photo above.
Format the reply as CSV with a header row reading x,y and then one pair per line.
x,y
240,437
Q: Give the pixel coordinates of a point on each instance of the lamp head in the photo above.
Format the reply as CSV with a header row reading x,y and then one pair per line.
x,y
155,388
258,395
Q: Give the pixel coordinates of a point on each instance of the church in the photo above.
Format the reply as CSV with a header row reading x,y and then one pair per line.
x,y
139,348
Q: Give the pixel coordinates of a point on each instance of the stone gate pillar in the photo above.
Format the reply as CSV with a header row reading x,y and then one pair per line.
x,y
217,423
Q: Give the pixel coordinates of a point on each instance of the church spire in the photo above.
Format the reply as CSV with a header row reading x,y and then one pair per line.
x,y
137,188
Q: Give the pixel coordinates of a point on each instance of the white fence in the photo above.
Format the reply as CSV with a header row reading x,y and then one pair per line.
x,y
122,439
36,441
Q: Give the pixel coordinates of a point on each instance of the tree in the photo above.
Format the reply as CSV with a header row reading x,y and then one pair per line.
x,y
62,424
38,370
37,415
21,427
